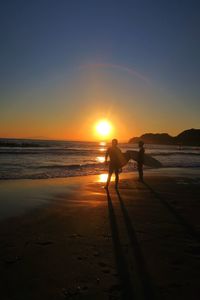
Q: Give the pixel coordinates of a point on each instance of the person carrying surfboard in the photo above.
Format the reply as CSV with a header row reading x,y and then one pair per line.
x,y
140,160
115,155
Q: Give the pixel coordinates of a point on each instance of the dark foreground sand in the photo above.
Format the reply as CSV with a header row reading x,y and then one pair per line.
x,y
81,243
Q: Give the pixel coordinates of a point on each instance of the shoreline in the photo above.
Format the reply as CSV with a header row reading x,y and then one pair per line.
x,y
134,170
22,195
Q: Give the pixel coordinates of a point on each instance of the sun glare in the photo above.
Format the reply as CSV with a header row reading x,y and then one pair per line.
x,y
103,128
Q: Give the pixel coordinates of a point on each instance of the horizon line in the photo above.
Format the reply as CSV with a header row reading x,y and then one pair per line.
x,y
86,141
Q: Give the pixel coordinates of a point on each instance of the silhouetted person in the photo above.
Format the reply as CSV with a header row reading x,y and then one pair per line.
x,y
140,161
114,154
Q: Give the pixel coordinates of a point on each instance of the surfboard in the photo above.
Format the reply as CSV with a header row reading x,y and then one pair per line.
x,y
123,158
148,159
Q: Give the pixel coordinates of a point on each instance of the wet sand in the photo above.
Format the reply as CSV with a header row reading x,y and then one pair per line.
x,y
69,239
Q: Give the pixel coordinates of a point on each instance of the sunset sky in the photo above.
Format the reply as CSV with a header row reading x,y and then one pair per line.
x,y
67,64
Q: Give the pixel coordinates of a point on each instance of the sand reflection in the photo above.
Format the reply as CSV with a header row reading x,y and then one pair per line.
x,y
103,178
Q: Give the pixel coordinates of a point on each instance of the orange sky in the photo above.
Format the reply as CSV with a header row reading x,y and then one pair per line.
x,y
70,109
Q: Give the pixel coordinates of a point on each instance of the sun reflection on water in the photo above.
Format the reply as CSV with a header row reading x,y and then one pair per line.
x,y
100,159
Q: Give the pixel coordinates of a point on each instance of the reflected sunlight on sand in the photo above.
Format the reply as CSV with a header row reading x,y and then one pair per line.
x,y
103,178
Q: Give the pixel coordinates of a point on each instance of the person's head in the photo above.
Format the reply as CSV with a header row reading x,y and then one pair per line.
x,y
141,144
114,142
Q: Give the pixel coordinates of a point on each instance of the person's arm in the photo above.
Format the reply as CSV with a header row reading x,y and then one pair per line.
x,y
106,155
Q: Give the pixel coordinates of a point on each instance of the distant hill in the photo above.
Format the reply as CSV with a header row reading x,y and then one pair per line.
x,y
190,137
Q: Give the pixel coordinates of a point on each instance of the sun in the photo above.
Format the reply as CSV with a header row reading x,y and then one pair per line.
x,y
103,128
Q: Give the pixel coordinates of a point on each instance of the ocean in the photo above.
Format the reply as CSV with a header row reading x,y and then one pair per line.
x,y
40,159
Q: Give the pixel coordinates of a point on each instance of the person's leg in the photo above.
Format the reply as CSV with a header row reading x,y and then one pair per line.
x,y
108,179
116,178
140,171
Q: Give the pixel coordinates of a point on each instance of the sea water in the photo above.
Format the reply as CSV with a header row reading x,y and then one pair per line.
x,y
37,159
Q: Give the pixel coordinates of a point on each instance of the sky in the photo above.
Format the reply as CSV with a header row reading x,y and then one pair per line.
x,y
66,64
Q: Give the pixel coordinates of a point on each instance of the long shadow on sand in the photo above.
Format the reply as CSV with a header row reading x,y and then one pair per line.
x,y
187,226
127,291
141,269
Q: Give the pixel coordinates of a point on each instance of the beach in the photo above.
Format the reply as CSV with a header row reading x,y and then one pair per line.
x,y
67,238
